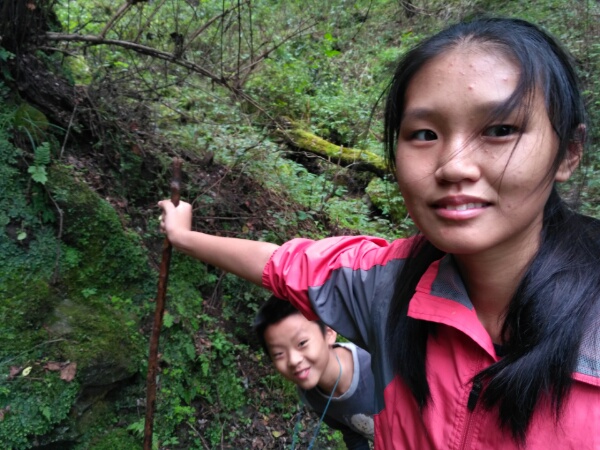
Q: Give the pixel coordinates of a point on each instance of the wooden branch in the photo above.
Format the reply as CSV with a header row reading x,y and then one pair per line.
x,y
158,316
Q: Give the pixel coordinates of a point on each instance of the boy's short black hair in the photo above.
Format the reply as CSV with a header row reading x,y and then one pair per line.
x,y
273,311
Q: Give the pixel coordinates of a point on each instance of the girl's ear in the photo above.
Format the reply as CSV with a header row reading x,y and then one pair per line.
x,y
573,157
330,336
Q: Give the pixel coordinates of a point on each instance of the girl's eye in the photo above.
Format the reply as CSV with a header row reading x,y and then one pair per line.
x,y
500,131
424,135
302,343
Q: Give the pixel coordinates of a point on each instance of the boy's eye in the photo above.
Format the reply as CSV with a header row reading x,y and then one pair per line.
x,y
500,131
424,135
302,343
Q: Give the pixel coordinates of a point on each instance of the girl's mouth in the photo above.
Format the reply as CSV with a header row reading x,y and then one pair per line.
x,y
464,206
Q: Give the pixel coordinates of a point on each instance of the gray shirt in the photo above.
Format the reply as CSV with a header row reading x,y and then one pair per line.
x,y
352,412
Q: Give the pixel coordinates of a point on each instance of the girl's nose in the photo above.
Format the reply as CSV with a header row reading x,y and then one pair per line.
x,y
458,163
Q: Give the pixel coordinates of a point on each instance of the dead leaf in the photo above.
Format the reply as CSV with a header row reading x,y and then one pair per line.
x,y
14,371
4,411
68,372
53,366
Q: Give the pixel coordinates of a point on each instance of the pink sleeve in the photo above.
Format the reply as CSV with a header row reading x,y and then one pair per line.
x,y
302,263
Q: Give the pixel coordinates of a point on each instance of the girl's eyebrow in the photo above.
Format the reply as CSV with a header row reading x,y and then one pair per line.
x,y
483,109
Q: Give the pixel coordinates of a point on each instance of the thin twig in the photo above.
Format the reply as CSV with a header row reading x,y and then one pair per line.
x,y
120,13
32,348
62,149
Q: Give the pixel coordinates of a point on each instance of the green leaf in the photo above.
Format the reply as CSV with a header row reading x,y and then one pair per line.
x,y
167,320
22,235
38,174
47,412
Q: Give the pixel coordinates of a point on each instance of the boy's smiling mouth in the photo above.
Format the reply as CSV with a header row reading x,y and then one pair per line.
x,y
302,374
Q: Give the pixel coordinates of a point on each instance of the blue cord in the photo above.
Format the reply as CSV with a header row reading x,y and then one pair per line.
x,y
297,426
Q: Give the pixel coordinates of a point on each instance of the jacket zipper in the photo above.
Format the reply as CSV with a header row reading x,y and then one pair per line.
x,y
471,404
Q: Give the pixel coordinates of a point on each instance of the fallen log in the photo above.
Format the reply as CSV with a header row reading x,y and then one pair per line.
x,y
356,159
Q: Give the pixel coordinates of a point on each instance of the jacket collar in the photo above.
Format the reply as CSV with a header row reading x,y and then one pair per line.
x,y
442,297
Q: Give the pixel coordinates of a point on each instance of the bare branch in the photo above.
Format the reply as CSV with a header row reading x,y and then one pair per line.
x,y
139,48
166,56
156,9
247,69
120,13
207,24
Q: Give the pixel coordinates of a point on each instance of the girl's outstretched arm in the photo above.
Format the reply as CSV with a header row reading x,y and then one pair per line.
x,y
242,257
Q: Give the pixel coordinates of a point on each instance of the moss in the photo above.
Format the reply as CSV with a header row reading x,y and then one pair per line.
x,y
112,258
346,156
101,340
23,308
86,318
116,439
31,120
33,406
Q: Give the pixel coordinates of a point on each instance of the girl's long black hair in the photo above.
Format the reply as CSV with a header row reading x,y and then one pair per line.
x,y
558,298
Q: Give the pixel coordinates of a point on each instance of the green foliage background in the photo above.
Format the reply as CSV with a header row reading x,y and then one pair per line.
x,y
78,228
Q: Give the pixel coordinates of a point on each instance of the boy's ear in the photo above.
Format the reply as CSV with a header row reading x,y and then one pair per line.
x,y
573,157
330,336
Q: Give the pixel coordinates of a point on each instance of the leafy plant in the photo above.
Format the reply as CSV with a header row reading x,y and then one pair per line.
x,y
41,160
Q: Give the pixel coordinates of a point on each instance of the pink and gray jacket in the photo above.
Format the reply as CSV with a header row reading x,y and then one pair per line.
x,y
348,283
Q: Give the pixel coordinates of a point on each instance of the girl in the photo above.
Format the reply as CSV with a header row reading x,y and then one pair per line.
x,y
484,328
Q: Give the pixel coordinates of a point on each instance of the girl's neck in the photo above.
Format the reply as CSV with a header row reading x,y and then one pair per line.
x,y
491,281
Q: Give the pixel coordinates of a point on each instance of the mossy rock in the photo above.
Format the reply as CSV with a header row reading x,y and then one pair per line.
x,y
86,315
31,120
112,257
23,309
100,339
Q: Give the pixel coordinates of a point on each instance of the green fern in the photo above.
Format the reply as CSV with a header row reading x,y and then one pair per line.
x,y
41,160
42,154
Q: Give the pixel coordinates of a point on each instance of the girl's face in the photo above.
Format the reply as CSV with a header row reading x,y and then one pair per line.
x,y
473,187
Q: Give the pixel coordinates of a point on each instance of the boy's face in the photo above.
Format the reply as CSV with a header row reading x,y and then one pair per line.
x,y
299,350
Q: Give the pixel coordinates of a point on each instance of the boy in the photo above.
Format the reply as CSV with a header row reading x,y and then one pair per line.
x,y
331,377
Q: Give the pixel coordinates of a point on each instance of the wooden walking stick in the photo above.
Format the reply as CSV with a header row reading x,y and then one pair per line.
x,y
158,315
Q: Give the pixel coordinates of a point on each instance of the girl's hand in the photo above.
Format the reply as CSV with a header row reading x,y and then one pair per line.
x,y
175,221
